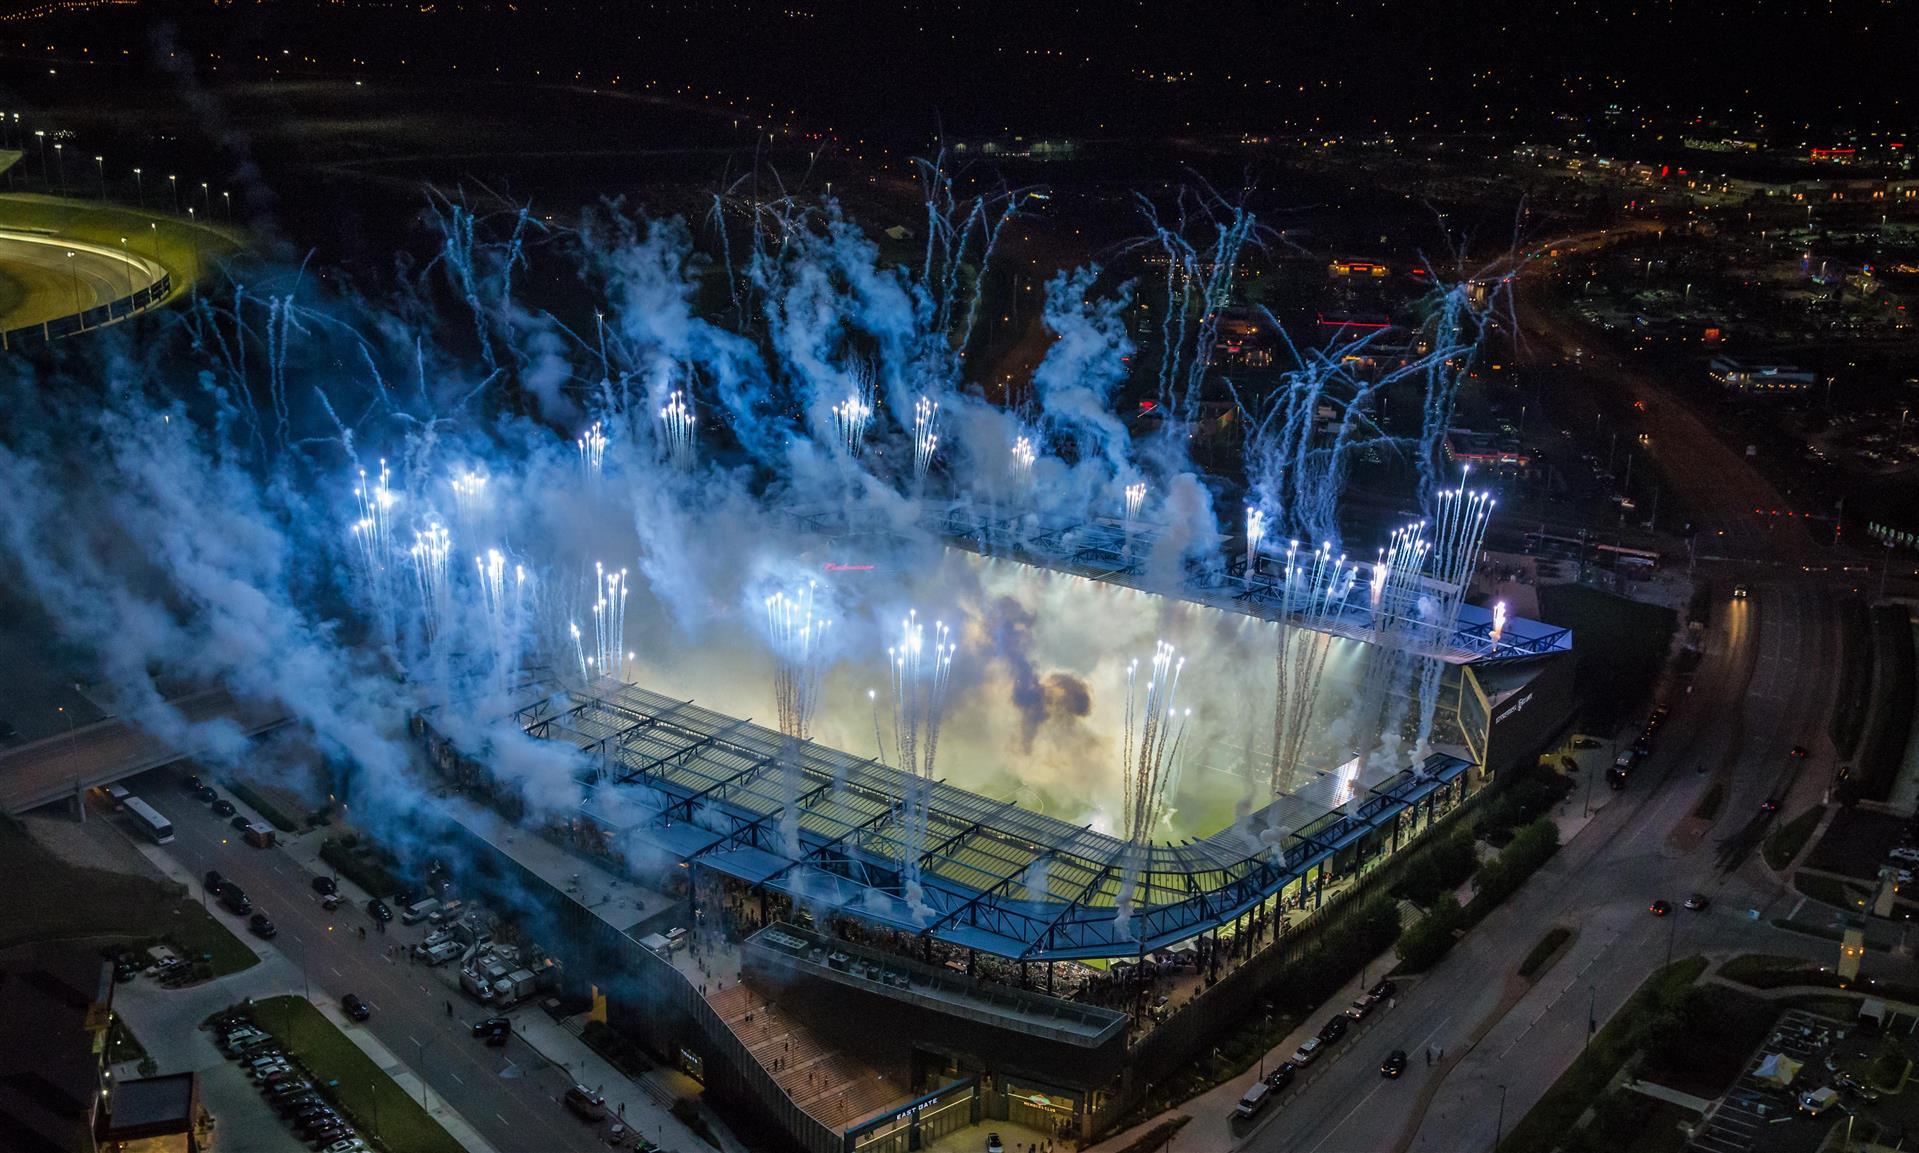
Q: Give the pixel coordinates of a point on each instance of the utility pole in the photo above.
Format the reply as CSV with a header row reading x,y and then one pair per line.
x,y
1499,1122
1592,1022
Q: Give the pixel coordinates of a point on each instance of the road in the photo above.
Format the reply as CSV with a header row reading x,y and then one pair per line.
x,y
510,1095
56,279
1506,1043
54,768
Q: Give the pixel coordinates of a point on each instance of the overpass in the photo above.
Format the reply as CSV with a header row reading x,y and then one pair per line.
x,y
98,754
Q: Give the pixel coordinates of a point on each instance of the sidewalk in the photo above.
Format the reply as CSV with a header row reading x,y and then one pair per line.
x,y
409,1082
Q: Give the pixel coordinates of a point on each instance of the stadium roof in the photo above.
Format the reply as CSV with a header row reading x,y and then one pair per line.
x,y
1115,553
925,856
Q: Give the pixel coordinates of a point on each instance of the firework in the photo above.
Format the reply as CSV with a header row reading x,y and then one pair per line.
x,y
852,415
1499,620
798,646
1255,533
926,441
1313,590
1154,731
609,621
469,491
579,651
676,429
592,445
1023,456
430,552
1135,500
920,674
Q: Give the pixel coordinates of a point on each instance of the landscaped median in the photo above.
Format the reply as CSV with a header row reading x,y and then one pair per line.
x,y
1657,1009
379,1108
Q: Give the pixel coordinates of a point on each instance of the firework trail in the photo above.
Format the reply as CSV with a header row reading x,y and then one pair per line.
x,y
592,445
798,638
920,674
373,536
1255,533
1499,621
676,428
1459,528
430,551
579,652
469,495
1154,729
852,415
609,622
1313,588
1135,500
926,440
503,600
1023,457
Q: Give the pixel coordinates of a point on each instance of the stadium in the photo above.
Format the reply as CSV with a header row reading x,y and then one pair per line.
x,y
1005,883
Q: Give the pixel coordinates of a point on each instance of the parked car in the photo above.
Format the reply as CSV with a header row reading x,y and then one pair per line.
x,y
325,885
1334,1029
224,808
1383,990
193,783
236,900
492,1026
376,908
586,1103
355,1008
1697,902
993,1144
206,795
331,901
261,925
347,1145
293,1104
1393,1065
328,1136
1586,742
215,881
238,822
1282,1076
1308,1052
1363,1006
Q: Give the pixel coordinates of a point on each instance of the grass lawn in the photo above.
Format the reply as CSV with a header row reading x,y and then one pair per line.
x,y
1619,646
68,901
1724,1028
1547,946
186,250
1831,890
1546,1123
378,1106
1624,1120
1789,838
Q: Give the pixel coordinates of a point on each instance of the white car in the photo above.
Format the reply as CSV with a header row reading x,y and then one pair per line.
x,y
346,1145
1308,1052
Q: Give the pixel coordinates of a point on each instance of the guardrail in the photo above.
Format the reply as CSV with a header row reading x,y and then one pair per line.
x,y
99,316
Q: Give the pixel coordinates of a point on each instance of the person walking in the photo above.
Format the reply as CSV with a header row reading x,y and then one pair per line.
x,y
449,1008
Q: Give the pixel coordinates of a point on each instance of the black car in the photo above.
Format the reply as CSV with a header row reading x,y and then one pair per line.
x,y
1393,1065
261,925
239,822
493,1027
206,794
293,1105
1334,1029
193,783
224,808
1283,1076
1384,990
1585,743
327,1136
355,1008
325,886
236,899
376,908
215,882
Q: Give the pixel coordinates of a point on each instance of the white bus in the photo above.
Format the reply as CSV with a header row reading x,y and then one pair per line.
x,y
155,825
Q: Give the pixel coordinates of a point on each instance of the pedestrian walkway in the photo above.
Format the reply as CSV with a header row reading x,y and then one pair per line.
x,y
456,1126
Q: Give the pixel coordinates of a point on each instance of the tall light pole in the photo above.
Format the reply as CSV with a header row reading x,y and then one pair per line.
x,y
1499,1122
206,200
60,162
100,162
128,257
140,188
173,183
46,174
77,307
227,199
421,1070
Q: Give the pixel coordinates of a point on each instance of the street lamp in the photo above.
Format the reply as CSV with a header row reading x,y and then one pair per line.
x,y
46,176
173,182
1499,1122
77,308
140,187
100,162
206,201
127,257
227,199
421,1071
60,162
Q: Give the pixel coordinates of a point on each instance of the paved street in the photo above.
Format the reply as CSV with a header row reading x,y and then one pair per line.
x,y
509,1096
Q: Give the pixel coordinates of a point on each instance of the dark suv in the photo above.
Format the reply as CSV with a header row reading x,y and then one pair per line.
x,y
235,899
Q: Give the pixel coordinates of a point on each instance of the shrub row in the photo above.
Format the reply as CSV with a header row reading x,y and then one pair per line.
x,y
364,868
272,812
1422,945
1547,946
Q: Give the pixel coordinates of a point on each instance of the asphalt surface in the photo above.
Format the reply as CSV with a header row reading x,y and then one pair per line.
x,y
1762,687
509,1095
53,768
56,285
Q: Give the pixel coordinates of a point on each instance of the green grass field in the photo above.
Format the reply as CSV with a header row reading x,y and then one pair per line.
x,y
378,1107
65,901
186,250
